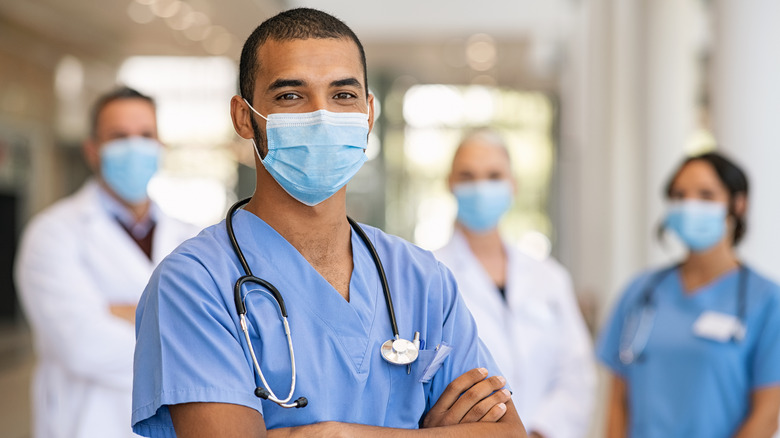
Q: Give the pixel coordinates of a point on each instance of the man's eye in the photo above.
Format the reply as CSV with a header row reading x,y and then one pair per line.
x,y
288,96
344,95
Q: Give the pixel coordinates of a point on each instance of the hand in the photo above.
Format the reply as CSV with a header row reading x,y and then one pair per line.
x,y
470,398
124,311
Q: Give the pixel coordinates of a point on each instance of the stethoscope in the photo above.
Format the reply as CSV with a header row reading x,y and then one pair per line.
x,y
632,347
396,351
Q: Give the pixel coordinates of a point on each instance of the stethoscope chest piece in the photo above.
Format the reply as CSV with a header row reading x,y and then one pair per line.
x,y
399,351
396,351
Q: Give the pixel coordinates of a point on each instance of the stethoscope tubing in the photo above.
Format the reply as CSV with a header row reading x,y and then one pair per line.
x,y
271,395
381,270
266,392
629,354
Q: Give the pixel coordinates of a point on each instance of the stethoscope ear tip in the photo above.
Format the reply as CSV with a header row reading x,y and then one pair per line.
x,y
262,393
301,402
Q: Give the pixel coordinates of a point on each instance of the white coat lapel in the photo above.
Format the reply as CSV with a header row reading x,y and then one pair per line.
x,y
116,260
493,316
472,278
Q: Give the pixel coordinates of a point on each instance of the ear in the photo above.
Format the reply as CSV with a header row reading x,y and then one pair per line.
x,y
371,111
740,204
242,117
450,182
91,151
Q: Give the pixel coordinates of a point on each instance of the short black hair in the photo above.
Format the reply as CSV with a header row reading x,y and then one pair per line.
x,y
730,175
120,93
294,24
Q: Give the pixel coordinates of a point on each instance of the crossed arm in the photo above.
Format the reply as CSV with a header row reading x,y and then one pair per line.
x,y
472,404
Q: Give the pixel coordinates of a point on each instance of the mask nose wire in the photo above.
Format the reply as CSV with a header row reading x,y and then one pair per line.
x,y
254,110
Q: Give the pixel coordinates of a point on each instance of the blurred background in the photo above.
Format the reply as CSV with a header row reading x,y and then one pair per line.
x,y
598,99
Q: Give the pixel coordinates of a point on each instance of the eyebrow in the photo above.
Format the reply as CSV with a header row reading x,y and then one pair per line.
x,y
284,83
346,82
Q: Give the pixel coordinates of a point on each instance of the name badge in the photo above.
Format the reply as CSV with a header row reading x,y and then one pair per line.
x,y
718,327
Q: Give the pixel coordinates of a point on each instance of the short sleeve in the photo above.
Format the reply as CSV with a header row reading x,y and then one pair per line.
x,y
608,343
766,363
188,346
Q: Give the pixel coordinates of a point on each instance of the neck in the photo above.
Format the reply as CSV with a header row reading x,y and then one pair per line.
x,y
321,234
317,232
702,267
489,250
139,210
299,223
489,241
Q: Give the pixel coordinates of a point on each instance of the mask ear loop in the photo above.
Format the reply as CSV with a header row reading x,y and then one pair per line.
x,y
254,144
254,110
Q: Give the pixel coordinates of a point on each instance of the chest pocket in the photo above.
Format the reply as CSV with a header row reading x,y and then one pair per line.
x,y
408,395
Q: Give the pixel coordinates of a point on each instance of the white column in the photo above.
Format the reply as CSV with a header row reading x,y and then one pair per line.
x,y
601,175
628,239
670,82
628,107
582,163
746,110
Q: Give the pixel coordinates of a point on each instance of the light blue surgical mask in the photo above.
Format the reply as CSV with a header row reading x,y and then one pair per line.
x,y
313,155
482,203
127,164
699,224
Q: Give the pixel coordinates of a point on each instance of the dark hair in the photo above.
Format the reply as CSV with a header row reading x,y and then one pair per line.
x,y
730,175
120,93
294,24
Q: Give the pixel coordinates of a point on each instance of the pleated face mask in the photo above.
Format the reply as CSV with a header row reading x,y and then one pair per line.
x,y
128,164
482,203
313,155
699,224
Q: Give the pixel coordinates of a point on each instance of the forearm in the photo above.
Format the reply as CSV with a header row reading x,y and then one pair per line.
x,y
349,430
124,311
617,409
762,418
509,425
758,427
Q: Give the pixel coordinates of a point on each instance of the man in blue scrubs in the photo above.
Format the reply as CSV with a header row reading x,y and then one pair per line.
x,y
305,104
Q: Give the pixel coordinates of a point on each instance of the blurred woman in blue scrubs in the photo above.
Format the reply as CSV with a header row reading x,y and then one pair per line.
x,y
694,349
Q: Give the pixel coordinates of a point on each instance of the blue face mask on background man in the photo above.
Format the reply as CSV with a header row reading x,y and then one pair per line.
x,y
128,164
699,224
482,203
313,155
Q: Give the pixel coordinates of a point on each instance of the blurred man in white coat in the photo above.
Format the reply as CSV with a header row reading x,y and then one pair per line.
x,y
81,268
525,309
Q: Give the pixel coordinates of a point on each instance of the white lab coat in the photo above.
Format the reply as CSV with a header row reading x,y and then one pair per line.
x,y
75,261
537,337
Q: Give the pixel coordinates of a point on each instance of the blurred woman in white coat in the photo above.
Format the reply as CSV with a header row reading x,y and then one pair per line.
x,y
525,309
81,268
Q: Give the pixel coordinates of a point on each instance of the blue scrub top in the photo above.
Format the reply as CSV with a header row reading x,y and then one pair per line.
x,y
684,385
190,347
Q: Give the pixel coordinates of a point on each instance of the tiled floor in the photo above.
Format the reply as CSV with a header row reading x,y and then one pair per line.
x,y
16,364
